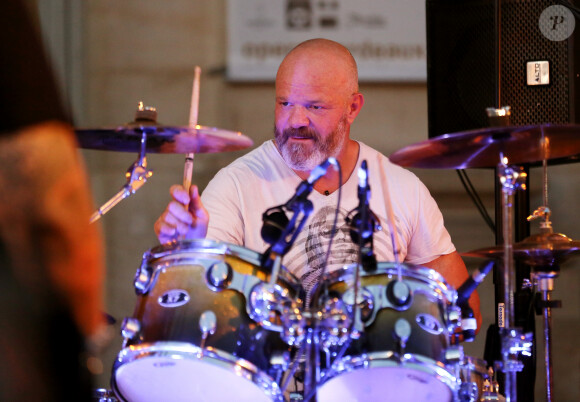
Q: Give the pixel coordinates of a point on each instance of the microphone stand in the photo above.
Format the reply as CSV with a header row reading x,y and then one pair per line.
x,y
272,259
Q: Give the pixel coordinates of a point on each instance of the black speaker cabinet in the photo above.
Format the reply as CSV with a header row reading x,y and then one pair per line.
x,y
472,65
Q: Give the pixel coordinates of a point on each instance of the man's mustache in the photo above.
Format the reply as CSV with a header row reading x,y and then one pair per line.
x,y
302,132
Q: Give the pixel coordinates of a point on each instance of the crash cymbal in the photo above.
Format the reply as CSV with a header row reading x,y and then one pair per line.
x,y
162,139
541,250
484,147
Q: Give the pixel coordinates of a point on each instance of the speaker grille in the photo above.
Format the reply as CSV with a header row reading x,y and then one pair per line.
x,y
522,41
461,65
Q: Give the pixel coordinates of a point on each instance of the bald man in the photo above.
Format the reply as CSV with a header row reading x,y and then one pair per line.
x,y
317,100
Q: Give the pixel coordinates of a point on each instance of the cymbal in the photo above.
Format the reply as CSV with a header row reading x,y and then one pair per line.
x,y
162,139
541,250
484,147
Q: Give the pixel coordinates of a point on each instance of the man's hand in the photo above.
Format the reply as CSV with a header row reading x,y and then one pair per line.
x,y
184,218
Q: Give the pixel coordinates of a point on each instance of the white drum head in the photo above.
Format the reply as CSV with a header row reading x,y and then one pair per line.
x,y
392,384
165,379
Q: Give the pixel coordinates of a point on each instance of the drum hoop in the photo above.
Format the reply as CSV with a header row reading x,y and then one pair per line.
x,y
184,350
209,246
424,274
371,360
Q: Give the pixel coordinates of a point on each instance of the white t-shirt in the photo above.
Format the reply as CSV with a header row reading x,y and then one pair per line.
x,y
240,193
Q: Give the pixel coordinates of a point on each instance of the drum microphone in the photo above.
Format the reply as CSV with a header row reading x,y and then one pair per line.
x,y
305,188
468,321
275,222
363,224
275,219
467,288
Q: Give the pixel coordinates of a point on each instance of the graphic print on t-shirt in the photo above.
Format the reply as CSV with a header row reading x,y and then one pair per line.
x,y
308,255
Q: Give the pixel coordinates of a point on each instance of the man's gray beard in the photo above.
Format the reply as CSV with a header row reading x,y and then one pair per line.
x,y
299,157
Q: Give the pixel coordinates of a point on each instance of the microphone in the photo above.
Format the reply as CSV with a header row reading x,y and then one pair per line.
x,y
306,186
275,221
467,288
468,321
364,222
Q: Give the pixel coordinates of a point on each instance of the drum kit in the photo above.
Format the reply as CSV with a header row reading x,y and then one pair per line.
x,y
214,322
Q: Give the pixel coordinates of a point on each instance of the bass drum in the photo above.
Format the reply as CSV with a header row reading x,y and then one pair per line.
x,y
400,355
206,326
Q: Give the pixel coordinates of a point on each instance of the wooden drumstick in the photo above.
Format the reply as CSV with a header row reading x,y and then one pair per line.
x,y
193,113
390,215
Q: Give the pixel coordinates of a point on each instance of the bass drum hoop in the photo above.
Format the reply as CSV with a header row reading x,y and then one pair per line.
x,y
178,351
374,360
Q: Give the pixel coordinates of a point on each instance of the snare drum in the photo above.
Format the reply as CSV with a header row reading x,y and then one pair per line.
x,y
205,327
400,354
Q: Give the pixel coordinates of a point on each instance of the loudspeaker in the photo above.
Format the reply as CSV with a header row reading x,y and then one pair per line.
x,y
472,65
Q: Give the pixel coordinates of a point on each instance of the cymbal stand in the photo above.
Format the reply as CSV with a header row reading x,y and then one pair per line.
x,y
543,277
136,175
545,285
512,341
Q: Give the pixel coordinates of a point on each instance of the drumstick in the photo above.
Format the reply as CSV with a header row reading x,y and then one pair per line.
x,y
193,112
390,215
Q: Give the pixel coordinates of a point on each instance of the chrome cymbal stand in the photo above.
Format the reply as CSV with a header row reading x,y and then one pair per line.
x,y
513,342
544,280
137,174
543,277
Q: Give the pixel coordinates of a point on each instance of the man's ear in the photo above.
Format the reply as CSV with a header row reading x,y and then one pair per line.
x,y
354,107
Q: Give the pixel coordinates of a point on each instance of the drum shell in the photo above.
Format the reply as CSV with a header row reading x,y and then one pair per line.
x,y
236,333
430,297
174,292
378,365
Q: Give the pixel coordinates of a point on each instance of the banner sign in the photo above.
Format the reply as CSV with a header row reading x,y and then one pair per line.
x,y
387,38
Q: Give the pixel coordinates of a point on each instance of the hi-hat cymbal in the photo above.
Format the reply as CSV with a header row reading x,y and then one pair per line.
x,y
541,250
485,147
162,139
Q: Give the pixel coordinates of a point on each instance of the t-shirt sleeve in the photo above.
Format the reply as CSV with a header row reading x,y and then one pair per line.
x,y
221,199
430,239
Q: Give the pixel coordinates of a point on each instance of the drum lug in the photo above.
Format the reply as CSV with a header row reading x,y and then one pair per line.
x,y
366,303
207,325
399,294
130,329
219,276
402,333
143,277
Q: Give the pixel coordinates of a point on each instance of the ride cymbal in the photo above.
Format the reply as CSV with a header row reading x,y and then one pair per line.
x,y
485,147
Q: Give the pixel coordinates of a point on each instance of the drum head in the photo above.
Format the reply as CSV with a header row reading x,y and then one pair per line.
x,y
388,384
179,380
